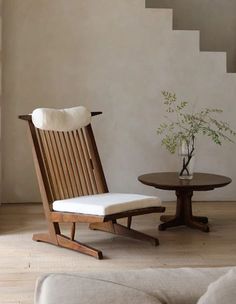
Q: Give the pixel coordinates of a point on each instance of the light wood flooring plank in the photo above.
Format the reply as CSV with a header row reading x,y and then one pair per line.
x,y
22,260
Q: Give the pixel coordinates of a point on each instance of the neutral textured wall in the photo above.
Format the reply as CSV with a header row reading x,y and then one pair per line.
x,y
113,56
0,97
215,19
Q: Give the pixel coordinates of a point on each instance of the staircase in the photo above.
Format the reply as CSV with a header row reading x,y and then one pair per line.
x,y
216,21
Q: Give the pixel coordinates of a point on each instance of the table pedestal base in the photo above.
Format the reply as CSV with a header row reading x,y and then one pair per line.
x,y
184,214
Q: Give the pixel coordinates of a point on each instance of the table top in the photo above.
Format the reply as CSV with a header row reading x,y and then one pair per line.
x,y
171,181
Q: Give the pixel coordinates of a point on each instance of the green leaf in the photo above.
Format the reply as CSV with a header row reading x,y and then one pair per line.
x,y
182,125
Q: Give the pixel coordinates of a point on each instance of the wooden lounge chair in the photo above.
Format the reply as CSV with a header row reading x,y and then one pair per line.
x,y
73,188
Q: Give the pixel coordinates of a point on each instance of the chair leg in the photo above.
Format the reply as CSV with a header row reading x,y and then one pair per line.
x,y
129,222
44,237
72,233
122,230
55,237
51,236
65,242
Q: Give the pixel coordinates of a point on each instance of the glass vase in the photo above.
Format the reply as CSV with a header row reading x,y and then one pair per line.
x,y
186,159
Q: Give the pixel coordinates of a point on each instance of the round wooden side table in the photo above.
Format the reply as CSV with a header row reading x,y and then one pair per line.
x,y
184,192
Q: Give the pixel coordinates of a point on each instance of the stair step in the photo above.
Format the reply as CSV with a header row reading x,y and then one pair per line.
x,y
153,17
214,61
188,38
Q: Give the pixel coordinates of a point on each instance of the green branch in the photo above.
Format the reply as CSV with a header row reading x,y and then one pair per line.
x,y
181,125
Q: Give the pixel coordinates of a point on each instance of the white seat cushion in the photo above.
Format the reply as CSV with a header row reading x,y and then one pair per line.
x,y
106,203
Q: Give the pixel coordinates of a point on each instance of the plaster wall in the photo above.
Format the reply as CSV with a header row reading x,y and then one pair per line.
x,y
0,96
116,57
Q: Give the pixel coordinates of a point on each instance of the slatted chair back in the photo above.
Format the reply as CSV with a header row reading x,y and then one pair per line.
x,y
68,163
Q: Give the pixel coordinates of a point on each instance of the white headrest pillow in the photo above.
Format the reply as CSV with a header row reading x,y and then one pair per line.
x,y
61,120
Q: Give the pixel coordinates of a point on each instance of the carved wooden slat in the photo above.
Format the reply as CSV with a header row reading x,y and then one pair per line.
x,y
68,165
90,161
65,174
57,185
98,170
75,181
49,158
87,172
65,161
58,166
78,162
48,178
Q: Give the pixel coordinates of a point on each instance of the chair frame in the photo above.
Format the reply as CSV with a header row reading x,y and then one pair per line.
x,y
107,223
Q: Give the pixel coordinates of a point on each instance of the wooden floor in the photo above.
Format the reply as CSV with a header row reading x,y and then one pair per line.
x,y
22,260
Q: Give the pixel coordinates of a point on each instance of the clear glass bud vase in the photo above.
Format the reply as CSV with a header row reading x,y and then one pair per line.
x,y
186,158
